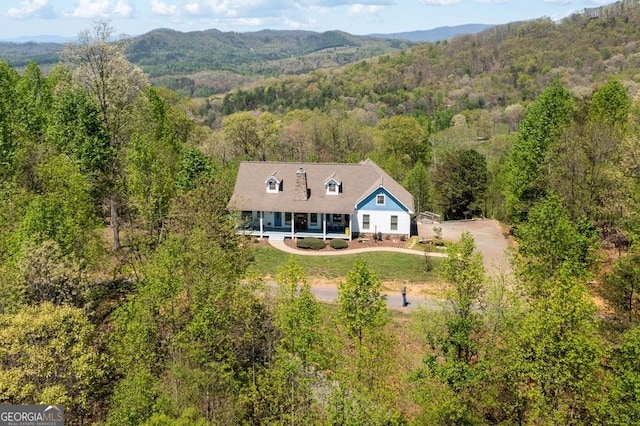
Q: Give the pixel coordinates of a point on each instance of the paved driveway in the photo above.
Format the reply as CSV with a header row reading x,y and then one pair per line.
x,y
488,236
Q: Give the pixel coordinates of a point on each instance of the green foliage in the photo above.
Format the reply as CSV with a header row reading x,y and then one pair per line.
x,y
297,313
154,158
625,403
310,243
47,357
621,286
63,212
338,243
550,242
419,185
361,304
405,139
8,140
544,121
193,165
46,275
555,358
460,182
455,360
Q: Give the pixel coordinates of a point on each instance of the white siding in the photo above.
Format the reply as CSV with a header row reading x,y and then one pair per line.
x,y
380,221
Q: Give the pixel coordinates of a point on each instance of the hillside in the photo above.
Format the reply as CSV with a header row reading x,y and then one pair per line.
x,y
201,63
495,68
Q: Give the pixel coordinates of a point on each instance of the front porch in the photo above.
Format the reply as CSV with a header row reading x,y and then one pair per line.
x,y
296,225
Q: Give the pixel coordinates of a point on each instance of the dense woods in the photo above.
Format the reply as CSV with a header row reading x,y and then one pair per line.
x,y
128,297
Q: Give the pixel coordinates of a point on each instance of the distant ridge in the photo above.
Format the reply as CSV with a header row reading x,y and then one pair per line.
x,y
436,34
39,39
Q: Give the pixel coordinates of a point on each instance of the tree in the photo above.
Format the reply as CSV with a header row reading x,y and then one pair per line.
x,y
101,67
47,355
460,181
361,305
585,163
550,242
297,313
464,271
543,123
625,402
8,119
405,139
554,358
419,185
241,132
153,159
456,360
621,287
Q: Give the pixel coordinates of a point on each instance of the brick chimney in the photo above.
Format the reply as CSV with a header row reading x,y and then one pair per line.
x,y
302,191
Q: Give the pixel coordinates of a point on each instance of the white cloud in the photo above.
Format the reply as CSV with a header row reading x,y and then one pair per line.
x,y
124,9
91,9
439,2
493,1
363,9
32,9
163,9
557,1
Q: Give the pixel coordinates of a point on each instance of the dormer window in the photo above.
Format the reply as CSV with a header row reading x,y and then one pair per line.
x,y
332,186
273,184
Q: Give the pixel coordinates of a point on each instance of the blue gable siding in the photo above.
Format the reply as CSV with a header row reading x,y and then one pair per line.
x,y
390,202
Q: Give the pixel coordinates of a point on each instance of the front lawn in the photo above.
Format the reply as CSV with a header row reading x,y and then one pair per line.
x,y
388,266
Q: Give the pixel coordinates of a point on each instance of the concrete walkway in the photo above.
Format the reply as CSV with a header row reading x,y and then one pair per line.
x,y
280,245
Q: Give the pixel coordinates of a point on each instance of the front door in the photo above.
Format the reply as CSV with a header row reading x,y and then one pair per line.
x,y
301,221
278,219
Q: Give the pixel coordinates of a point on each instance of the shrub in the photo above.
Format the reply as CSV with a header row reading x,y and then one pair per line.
x,y
310,243
338,243
403,237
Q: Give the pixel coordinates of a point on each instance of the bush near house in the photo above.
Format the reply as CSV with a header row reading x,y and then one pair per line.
x,y
310,243
338,243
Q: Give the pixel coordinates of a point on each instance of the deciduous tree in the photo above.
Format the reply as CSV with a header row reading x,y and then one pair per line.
x,y
101,67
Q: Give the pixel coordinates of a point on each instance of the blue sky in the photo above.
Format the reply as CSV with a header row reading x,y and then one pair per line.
x,y
132,17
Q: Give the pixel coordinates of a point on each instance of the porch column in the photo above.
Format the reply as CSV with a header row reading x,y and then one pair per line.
x,y
324,226
293,225
350,226
261,216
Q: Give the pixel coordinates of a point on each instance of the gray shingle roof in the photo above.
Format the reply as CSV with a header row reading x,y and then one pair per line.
x,y
357,181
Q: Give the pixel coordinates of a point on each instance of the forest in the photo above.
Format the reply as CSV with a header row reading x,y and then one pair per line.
x,y
129,298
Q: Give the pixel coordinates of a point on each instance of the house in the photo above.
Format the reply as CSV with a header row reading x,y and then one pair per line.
x,y
324,200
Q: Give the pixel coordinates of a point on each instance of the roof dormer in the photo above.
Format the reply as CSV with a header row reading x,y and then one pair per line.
x,y
333,186
273,184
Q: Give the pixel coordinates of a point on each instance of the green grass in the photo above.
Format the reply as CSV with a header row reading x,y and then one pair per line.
x,y
386,265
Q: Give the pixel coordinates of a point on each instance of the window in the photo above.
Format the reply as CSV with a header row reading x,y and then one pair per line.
x,y
394,223
366,221
273,185
332,187
314,219
380,199
287,218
